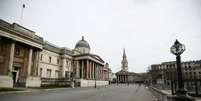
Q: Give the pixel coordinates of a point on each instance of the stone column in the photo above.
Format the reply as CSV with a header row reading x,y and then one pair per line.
x,y
124,78
119,77
7,80
82,68
29,62
36,63
89,69
10,64
32,80
92,70
103,74
106,75
63,67
77,69
86,72
93,66
97,72
39,62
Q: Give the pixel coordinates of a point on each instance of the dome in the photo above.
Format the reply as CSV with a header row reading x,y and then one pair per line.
x,y
82,44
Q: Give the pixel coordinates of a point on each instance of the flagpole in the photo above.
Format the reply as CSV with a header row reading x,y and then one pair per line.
x,y
22,13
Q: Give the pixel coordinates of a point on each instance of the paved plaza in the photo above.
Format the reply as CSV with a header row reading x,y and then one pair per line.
x,y
110,93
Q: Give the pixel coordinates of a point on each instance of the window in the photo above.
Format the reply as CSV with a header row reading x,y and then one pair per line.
x,y
57,60
17,51
50,59
49,73
41,57
56,74
67,74
41,71
66,62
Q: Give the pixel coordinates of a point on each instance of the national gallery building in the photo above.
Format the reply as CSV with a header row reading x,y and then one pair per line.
x,y
29,61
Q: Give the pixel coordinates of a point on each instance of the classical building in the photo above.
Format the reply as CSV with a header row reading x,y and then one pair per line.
x,y
167,71
27,60
124,76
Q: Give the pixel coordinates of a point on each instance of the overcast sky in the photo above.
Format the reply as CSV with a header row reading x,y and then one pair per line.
x,y
145,28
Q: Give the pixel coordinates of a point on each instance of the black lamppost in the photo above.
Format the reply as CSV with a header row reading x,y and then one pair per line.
x,y
181,94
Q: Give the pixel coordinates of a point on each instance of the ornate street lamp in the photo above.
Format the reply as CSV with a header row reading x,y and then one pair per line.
x,y
181,94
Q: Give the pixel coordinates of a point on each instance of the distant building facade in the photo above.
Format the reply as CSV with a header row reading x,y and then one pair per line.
x,y
124,76
26,60
167,71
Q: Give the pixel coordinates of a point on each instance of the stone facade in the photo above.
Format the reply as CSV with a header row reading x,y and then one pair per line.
x,y
167,71
25,58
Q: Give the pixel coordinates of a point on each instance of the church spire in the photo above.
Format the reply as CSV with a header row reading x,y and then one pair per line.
x,y
124,54
124,62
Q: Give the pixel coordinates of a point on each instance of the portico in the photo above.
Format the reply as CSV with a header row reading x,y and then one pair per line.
x,y
89,68
19,57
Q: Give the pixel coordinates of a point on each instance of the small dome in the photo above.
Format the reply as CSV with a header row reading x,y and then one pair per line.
x,y
82,43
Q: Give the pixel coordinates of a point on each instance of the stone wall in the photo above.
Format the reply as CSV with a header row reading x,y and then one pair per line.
x,y
91,83
47,64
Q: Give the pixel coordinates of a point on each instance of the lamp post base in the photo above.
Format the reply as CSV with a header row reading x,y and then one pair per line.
x,y
181,95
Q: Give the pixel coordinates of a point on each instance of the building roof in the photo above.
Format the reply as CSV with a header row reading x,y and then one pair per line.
x,y
19,33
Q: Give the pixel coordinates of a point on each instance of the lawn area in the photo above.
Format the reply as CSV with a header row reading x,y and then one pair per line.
x,y
9,89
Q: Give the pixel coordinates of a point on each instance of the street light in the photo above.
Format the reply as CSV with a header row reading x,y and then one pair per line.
x,y
181,94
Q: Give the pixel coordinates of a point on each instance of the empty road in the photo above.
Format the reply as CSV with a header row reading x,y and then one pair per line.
x,y
110,93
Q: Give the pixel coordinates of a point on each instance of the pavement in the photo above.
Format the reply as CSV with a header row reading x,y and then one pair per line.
x,y
110,93
169,93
